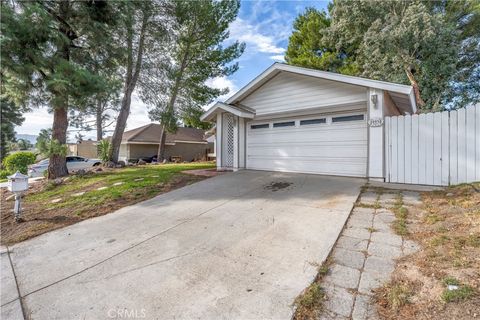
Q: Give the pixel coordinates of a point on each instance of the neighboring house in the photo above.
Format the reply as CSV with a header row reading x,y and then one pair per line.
x,y
302,120
187,144
86,148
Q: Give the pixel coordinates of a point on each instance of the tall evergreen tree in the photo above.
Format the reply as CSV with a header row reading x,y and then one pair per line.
x,y
198,54
143,30
309,47
44,52
102,108
432,45
11,116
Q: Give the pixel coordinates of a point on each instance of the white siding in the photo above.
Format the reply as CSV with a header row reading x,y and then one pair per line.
x,y
290,92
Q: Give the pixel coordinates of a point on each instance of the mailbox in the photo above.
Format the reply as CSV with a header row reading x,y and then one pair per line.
x,y
17,182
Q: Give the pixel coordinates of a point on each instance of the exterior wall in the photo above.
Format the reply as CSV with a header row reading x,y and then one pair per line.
x,y
291,92
241,143
188,151
123,153
72,149
87,150
389,106
137,151
219,138
376,169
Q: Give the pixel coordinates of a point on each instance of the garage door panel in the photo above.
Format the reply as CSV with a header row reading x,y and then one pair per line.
x,y
359,137
355,134
349,168
327,148
316,151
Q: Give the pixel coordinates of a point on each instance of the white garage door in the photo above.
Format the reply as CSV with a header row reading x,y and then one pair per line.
x,y
333,144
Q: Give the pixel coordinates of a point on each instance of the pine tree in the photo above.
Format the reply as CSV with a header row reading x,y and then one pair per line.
x,y
45,48
198,54
11,116
309,47
432,45
142,32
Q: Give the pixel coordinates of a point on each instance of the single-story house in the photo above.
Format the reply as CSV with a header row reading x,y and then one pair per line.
x,y
296,119
187,144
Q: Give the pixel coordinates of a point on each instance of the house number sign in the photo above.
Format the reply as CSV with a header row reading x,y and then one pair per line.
x,y
375,122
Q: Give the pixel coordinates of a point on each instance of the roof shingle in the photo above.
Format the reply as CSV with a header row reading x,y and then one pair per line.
x,y
151,133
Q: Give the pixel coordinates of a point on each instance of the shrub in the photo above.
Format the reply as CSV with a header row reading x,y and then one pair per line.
x,y
103,150
19,161
4,174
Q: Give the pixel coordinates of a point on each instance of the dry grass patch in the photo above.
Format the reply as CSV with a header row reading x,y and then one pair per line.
x,y
309,304
448,230
401,213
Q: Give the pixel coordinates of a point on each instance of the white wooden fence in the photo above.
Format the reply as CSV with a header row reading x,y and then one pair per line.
x,y
441,148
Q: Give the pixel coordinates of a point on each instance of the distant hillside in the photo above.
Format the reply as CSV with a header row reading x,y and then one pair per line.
x,y
30,137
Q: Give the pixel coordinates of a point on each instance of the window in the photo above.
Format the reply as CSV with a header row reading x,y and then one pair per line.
x,y
312,121
259,126
356,117
284,124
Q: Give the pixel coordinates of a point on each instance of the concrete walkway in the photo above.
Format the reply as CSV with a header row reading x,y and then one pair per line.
x,y
364,256
236,246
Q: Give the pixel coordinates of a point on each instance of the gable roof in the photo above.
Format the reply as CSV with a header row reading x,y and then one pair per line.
x,y
211,113
150,133
402,95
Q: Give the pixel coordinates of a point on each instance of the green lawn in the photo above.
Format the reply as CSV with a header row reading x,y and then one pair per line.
x,y
47,206
154,178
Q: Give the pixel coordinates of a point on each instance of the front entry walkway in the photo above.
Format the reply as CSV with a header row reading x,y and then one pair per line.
x,y
365,255
240,245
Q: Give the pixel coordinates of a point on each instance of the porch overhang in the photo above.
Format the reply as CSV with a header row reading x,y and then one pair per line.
x,y
211,114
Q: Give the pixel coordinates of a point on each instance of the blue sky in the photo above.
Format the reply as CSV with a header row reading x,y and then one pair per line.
x,y
263,25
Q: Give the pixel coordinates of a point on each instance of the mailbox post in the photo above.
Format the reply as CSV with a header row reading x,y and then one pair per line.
x,y
18,184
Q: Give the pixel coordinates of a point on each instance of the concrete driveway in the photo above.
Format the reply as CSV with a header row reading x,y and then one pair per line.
x,y
236,246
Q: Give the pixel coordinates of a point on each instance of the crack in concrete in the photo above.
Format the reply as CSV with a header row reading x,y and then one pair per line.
x,y
145,266
22,306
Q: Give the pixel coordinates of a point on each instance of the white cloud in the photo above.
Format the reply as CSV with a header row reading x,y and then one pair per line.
x,y
221,83
138,113
35,121
280,58
243,31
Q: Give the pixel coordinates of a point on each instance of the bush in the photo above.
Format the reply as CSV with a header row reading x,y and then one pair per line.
x,y
4,174
19,161
103,150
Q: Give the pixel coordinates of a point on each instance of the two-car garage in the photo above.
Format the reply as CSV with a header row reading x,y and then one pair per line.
x,y
293,119
333,144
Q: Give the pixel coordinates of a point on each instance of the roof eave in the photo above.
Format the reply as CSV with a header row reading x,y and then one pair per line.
x,y
210,114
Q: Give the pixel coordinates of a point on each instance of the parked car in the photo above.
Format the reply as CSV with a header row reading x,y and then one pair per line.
x,y
74,163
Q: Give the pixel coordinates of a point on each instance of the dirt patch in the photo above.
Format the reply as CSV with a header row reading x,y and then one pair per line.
x,y
447,226
40,217
276,186
205,172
